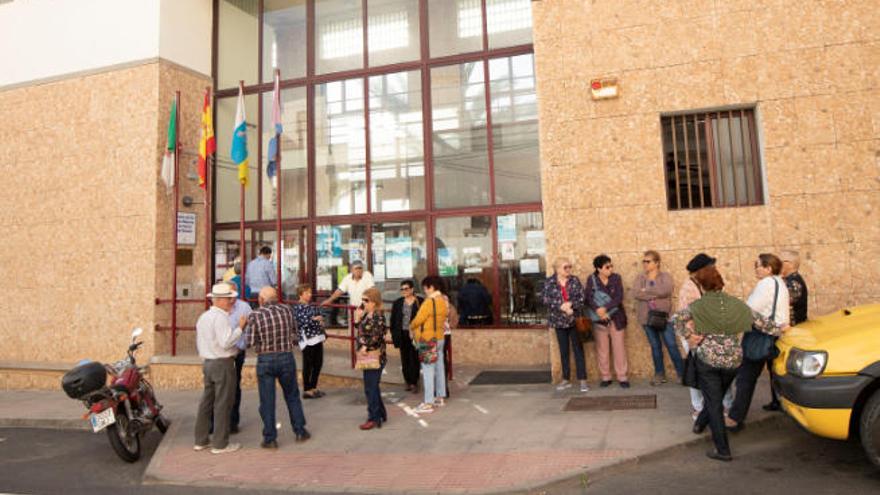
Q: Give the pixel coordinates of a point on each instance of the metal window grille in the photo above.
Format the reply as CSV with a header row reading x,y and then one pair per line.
x,y
711,160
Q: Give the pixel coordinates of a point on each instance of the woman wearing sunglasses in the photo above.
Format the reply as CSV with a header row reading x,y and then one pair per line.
x,y
371,337
563,295
604,297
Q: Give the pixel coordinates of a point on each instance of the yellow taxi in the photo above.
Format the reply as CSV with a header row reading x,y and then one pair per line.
x,y
828,376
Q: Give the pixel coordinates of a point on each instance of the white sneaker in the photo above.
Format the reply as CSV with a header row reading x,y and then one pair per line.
x,y
564,384
424,408
232,447
199,448
584,387
439,402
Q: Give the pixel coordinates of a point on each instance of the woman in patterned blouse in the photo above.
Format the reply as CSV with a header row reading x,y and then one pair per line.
x,y
310,326
713,326
563,295
371,336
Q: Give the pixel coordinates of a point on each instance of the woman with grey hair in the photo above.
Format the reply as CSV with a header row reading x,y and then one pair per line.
x,y
563,295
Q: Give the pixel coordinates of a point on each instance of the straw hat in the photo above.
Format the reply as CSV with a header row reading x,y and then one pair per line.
x,y
222,290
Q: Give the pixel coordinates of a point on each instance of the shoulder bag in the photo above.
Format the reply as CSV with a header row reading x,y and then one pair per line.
x,y
757,345
428,350
689,374
600,298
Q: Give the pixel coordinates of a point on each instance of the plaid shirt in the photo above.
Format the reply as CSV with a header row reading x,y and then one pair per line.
x,y
272,328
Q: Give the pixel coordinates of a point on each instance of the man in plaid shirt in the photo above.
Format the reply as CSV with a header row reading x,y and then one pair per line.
x,y
272,333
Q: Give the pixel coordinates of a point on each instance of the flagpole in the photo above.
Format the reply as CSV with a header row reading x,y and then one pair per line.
x,y
241,224
278,185
209,245
174,248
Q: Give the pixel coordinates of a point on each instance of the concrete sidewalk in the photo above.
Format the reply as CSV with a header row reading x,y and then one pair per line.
x,y
487,439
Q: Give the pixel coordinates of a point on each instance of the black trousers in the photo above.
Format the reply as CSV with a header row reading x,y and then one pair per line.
x,y
409,361
313,360
447,360
746,379
773,397
714,382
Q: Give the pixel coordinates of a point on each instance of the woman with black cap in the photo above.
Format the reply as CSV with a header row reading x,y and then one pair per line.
x,y
714,325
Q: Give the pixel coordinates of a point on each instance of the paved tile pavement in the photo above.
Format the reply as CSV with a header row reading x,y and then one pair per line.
x,y
487,439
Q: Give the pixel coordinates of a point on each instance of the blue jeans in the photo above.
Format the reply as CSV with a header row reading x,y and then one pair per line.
x,y
375,407
279,366
668,338
434,376
565,337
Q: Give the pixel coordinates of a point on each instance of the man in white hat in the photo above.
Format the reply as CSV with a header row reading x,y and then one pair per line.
x,y
215,340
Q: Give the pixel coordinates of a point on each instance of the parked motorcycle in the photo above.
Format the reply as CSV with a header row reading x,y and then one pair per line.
x,y
124,406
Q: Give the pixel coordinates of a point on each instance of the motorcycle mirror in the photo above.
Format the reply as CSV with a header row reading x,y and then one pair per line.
x,y
136,333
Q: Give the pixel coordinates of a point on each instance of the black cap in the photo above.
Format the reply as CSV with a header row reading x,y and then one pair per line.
x,y
699,261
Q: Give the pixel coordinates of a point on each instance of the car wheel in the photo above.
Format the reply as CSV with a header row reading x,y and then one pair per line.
x,y
870,428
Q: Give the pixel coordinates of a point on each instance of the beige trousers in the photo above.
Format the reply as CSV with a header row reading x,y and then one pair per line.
x,y
609,340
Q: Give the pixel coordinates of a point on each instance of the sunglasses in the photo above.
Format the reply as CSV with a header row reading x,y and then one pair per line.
x,y
405,288
608,267
647,261
365,300
566,267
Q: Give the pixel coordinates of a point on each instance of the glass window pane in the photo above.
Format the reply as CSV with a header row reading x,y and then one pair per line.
x,y
284,38
521,267
340,148
340,35
294,261
461,161
456,26
392,31
399,253
237,42
397,167
515,130
227,201
509,22
336,247
464,260
294,156
227,253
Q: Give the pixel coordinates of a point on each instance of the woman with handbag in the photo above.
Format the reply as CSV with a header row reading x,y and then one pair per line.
x,y
427,332
402,312
604,297
653,294
688,293
713,326
563,295
769,299
371,357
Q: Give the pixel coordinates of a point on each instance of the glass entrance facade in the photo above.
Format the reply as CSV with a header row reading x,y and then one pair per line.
x,y
410,142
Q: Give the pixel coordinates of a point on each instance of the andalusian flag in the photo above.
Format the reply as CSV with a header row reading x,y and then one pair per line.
x,y
207,144
168,160
239,151
272,168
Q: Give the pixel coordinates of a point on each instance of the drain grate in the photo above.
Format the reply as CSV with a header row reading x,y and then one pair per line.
x,y
611,403
513,377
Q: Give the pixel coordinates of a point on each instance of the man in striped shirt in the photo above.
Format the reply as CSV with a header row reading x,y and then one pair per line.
x,y
272,333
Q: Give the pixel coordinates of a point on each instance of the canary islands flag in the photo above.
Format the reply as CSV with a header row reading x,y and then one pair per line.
x,y
239,152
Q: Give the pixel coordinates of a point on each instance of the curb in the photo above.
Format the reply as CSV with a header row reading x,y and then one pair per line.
x,y
156,459
44,423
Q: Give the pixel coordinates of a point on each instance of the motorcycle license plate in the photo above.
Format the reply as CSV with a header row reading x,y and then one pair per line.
x,y
101,420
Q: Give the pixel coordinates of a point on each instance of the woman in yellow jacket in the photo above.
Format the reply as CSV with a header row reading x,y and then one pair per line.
x,y
427,331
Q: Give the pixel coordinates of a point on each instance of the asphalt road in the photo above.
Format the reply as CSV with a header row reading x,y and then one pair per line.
x,y
777,457
773,458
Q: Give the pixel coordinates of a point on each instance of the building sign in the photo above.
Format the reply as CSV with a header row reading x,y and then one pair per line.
x,y
186,228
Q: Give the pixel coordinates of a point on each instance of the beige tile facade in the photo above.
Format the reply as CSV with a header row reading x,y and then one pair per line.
x,y
88,224
812,71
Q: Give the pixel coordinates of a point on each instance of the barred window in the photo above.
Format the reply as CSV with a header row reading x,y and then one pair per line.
x,y
712,160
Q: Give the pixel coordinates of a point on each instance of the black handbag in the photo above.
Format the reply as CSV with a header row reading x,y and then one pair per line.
x,y
689,375
757,345
657,319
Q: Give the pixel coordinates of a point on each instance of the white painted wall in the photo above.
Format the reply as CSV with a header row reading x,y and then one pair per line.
x,y
48,38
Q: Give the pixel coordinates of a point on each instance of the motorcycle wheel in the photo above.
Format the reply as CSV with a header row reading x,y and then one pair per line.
x,y
162,424
127,445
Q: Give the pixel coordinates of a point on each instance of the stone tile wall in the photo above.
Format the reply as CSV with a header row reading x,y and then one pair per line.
x,y
812,71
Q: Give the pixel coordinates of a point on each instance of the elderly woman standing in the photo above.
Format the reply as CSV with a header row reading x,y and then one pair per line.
x,y
604,297
769,298
653,294
718,323
563,295
427,331
371,329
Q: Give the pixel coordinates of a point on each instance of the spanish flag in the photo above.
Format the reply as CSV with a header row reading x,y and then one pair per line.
x,y
239,152
207,144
